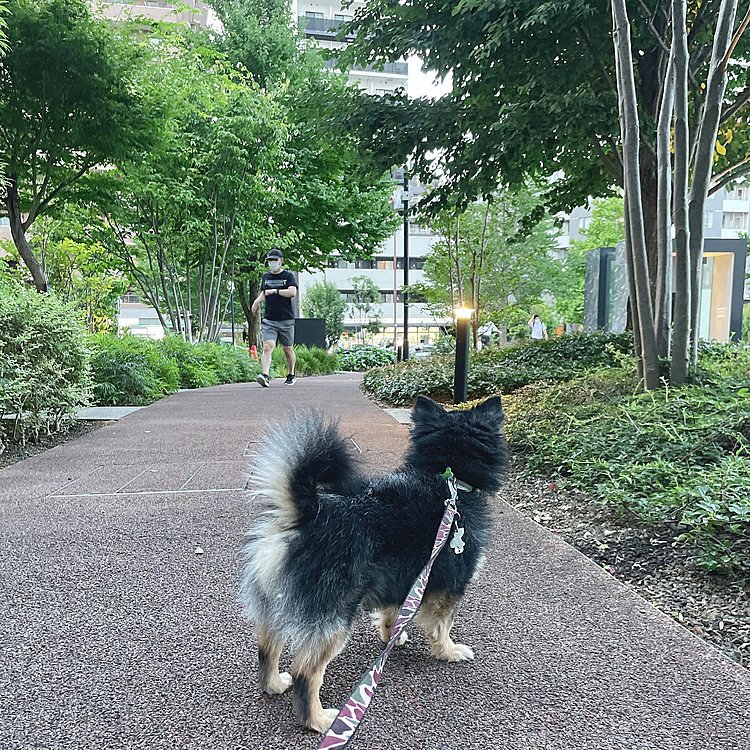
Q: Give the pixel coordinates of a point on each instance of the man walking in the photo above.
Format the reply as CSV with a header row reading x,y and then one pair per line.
x,y
277,289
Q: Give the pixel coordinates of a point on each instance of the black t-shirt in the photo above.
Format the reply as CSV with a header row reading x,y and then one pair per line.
x,y
278,307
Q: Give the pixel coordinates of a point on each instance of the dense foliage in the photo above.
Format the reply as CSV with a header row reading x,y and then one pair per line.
x,y
310,361
44,375
362,357
497,370
133,371
674,456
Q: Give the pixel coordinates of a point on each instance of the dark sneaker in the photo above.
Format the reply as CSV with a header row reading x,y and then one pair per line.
x,y
290,380
264,380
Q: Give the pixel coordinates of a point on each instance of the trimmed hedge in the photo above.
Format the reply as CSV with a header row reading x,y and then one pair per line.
x,y
44,363
497,370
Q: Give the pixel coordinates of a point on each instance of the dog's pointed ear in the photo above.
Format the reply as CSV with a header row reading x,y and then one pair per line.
x,y
492,408
426,409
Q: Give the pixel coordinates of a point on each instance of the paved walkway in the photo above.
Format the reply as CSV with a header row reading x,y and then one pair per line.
x,y
116,633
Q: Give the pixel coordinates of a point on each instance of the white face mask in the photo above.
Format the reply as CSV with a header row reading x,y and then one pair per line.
x,y
274,265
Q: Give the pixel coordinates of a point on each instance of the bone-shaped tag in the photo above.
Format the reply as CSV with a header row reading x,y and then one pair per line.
x,y
457,543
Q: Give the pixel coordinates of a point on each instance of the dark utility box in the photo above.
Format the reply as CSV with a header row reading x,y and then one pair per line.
x,y
310,332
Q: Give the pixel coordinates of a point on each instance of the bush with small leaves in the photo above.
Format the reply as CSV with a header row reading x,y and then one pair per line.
x,y
44,363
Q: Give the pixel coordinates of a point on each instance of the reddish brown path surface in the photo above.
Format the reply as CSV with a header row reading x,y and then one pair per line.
x,y
115,634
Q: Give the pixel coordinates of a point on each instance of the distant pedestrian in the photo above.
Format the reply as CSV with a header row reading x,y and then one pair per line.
x,y
538,329
277,289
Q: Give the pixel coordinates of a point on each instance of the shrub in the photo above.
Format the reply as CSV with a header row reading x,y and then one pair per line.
x,y
498,370
362,357
131,371
44,363
310,361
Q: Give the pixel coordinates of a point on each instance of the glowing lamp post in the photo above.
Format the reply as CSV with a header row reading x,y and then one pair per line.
x,y
463,319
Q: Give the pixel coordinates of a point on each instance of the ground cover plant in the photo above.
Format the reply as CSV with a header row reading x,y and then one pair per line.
x,y
44,372
497,369
674,456
363,357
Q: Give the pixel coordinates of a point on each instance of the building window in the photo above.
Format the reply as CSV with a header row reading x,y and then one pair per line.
x,y
341,17
384,265
708,219
584,223
131,299
4,221
736,220
386,297
313,14
365,264
383,92
738,193
419,230
566,226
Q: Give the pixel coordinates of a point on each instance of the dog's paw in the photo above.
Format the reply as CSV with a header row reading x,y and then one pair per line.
x,y
453,652
460,652
403,638
279,684
322,721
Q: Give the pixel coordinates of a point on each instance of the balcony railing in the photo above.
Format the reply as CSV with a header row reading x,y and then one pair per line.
x,y
391,68
322,27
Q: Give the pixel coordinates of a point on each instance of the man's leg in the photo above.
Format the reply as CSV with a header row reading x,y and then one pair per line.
x,y
291,358
265,357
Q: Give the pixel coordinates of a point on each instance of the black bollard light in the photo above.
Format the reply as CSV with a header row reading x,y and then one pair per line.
x,y
460,378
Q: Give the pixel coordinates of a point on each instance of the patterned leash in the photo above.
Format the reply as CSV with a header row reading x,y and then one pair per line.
x,y
353,711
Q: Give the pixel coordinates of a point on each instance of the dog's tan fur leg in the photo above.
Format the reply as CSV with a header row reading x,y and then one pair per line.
x,y
269,649
384,620
435,617
308,668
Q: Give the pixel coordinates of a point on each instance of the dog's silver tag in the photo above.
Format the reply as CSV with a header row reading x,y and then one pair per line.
x,y
457,543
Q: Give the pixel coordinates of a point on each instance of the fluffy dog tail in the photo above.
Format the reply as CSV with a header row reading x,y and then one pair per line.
x,y
295,461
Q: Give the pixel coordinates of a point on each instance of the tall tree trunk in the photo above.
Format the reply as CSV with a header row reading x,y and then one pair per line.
x,y
703,164
18,233
663,301
683,292
630,129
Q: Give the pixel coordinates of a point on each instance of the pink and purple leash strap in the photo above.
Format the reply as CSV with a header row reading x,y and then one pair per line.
x,y
347,722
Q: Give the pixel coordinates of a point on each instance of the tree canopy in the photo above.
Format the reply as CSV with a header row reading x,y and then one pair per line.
x,y
67,104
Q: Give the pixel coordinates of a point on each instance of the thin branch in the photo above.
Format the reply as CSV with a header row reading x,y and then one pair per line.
x,y
729,175
736,106
735,39
609,165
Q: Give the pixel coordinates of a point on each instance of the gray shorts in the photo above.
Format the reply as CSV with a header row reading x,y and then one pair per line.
x,y
281,331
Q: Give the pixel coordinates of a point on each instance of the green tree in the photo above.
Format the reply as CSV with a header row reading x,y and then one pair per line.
x,y
363,308
539,89
184,217
323,300
493,256
66,106
332,202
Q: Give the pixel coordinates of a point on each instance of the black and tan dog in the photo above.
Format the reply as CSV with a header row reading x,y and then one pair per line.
x,y
330,541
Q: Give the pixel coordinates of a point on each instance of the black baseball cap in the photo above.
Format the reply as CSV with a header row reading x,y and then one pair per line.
x,y
274,255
